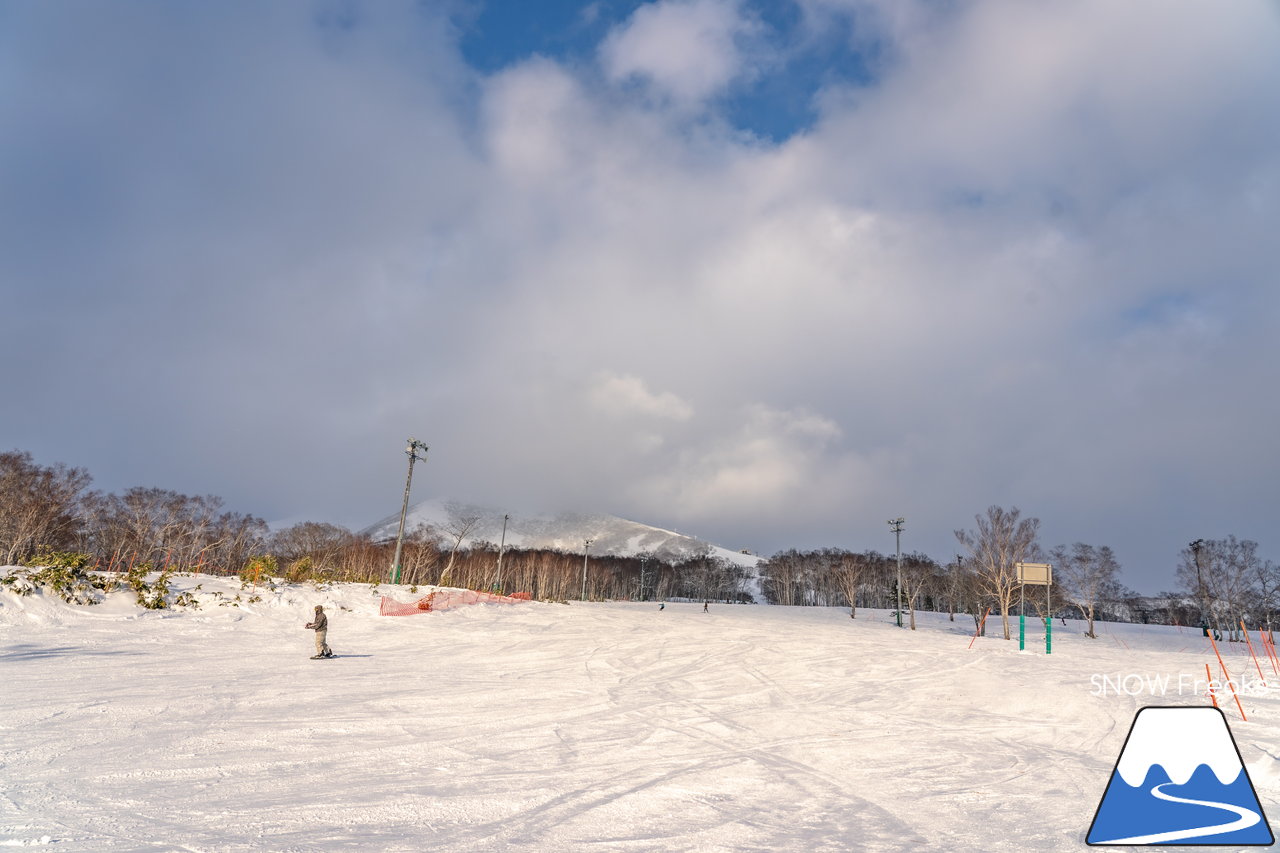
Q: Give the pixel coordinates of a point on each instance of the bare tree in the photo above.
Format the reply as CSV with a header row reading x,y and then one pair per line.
x,y
1222,572
848,572
781,577
320,541
973,596
1268,584
39,505
1002,540
1083,575
168,529
917,572
1241,563
457,528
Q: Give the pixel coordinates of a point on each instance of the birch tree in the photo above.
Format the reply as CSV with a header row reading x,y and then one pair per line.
x,y
1083,574
917,572
457,528
1002,539
848,573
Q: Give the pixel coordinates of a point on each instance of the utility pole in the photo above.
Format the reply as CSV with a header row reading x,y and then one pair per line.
x,y
896,526
412,451
644,564
502,545
586,546
1204,598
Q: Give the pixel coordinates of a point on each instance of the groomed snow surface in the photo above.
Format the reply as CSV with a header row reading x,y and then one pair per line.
x,y
579,727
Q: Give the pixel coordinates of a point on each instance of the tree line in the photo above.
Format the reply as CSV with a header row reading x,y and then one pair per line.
x,y
1224,583
49,509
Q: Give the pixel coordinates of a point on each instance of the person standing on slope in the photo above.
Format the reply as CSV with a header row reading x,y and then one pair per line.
x,y
321,626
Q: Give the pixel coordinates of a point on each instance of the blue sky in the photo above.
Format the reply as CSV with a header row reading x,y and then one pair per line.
x,y
799,57
767,272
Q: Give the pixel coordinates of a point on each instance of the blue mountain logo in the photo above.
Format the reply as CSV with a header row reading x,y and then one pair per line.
x,y
1180,780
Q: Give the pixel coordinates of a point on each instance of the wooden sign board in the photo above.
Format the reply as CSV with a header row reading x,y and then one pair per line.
x,y
1036,574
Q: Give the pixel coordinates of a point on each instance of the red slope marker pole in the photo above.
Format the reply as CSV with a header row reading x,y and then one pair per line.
x,y
978,630
1230,684
1270,649
1251,654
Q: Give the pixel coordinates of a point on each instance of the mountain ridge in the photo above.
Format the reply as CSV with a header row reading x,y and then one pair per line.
x,y
565,531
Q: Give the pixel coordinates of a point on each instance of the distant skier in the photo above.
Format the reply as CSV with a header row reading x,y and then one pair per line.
x,y
321,626
705,606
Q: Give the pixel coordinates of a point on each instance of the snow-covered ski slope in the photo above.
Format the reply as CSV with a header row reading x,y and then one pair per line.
x,y
580,727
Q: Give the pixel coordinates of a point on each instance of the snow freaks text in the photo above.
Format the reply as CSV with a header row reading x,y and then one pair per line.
x,y
1170,684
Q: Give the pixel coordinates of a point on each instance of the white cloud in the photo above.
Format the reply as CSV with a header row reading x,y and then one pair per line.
x,y
686,50
531,111
623,396
768,460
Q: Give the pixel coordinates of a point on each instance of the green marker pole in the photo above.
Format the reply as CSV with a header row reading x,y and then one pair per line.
x,y
1048,617
1022,619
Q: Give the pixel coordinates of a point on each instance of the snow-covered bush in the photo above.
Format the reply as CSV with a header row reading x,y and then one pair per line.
x,y
74,585
47,558
152,595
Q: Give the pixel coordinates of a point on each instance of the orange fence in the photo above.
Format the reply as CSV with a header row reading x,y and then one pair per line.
x,y
446,599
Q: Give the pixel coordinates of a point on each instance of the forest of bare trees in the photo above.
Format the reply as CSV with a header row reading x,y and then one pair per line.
x,y
45,509
1229,583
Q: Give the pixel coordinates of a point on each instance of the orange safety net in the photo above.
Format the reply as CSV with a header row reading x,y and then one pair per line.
x,y
445,599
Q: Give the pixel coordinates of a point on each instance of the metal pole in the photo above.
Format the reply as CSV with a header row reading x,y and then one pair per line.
x,y
896,526
412,451
1204,599
586,545
1022,617
501,546
1048,614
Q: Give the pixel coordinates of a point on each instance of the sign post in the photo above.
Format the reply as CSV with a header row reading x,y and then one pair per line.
x,y
1037,574
1022,616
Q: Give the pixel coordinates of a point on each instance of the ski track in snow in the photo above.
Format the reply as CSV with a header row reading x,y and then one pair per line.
x,y
603,727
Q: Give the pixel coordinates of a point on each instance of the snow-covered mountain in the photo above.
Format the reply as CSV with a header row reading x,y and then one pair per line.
x,y
1179,740
565,531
